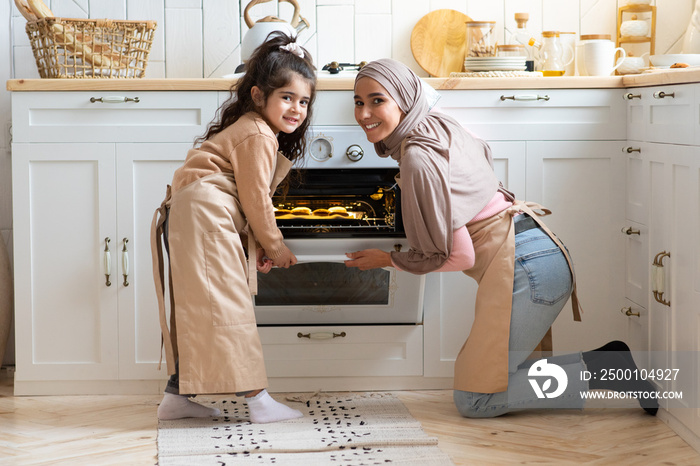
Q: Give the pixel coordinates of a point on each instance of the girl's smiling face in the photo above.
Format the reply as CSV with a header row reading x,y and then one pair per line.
x,y
375,111
286,108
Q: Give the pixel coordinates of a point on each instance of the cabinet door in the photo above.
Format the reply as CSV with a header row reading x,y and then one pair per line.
x,y
450,296
143,172
65,308
675,227
582,183
658,187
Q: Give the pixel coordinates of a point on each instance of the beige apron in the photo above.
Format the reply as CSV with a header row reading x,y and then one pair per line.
x,y
212,332
482,363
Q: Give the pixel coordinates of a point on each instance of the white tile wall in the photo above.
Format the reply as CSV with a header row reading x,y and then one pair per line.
x,y
201,38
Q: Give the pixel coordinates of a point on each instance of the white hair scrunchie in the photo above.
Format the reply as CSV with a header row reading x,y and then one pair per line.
x,y
294,48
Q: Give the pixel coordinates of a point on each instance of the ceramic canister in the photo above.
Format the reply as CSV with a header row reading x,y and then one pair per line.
x,y
634,28
580,65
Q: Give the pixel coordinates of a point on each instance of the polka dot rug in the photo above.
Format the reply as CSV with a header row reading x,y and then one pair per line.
x,y
345,429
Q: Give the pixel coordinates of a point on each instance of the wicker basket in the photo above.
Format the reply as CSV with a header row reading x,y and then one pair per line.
x,y
90,48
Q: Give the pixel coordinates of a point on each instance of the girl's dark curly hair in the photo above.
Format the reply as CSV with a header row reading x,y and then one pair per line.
x,y
268,68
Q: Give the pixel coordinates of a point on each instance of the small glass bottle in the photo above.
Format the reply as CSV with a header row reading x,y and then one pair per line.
x,y
522,36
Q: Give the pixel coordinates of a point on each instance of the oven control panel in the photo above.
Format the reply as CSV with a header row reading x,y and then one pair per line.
x,y
342,147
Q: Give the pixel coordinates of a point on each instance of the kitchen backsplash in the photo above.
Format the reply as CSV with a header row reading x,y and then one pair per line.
x,y
201,38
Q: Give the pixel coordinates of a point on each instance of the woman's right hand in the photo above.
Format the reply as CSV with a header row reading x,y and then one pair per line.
x,y
286,260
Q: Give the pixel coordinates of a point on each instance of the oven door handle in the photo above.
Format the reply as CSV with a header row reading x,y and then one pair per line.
x,y
306,258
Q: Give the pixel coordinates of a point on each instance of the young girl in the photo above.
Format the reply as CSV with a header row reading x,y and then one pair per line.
x,y
219,205
458,217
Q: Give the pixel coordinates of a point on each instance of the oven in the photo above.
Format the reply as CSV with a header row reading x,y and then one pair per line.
x,y
343,199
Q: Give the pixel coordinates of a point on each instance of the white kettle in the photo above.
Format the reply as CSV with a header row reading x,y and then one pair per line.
x,y
259,30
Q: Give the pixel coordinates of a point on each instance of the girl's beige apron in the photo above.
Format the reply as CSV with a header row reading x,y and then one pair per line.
x,y
482,363
213,333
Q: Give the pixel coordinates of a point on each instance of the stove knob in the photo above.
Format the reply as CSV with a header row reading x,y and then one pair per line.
x,y
354,152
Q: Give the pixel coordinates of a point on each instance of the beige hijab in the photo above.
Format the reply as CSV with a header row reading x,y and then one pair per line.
x,y
446,173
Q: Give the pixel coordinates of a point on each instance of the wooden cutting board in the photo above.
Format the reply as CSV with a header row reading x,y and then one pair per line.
x,y
438,42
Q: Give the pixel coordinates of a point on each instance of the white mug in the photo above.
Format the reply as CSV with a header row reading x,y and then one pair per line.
x,y
599,57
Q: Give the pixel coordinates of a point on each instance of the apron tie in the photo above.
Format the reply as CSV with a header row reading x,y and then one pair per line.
x,y
530,208
252,263
157,228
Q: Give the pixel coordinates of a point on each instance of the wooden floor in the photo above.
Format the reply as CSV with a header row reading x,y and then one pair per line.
x,y
121,430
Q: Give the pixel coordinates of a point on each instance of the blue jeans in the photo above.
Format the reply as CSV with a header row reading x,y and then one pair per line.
x,y
541,287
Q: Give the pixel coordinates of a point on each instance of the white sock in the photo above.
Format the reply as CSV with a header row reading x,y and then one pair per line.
x,y
179,406
263,409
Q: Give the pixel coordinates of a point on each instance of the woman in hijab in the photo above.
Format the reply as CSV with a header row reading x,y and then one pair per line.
x,y
458,217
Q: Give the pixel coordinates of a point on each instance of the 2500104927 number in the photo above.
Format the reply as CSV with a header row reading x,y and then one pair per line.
x,y
639,374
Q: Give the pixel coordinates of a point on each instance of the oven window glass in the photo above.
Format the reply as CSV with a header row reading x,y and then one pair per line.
x,y
323,283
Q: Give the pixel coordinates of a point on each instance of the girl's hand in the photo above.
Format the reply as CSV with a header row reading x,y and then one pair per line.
x,y
369,259
286,260
262,263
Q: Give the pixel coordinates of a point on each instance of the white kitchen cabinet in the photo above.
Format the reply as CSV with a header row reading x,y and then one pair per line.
x,y
142,172
674,226
636,238
81,199
450,296
580,182
72,199
663,172
66,314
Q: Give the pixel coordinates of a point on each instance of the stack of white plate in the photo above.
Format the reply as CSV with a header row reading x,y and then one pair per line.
x,y
494,63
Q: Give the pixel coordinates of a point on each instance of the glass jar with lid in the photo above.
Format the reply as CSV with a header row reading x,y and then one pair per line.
x,y
481,39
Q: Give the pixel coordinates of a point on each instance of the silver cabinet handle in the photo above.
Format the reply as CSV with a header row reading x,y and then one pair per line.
x,y
321,335
663,95
107,262
630,96
125,263
628,312
629,150
658,278
114,99
630,231
525,97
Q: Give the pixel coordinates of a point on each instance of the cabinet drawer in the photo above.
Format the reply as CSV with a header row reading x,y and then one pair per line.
x,y
558,114
395,350
80,117
669,119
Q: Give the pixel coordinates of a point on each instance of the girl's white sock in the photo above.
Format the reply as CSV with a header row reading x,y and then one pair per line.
x,y
263,409
179,406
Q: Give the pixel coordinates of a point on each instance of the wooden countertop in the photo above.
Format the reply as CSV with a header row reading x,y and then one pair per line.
x,y
680,76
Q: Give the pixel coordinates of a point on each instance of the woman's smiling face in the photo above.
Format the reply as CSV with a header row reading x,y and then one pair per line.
x,y
375,111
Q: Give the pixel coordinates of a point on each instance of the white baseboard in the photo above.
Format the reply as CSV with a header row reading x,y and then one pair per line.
x,y
680,429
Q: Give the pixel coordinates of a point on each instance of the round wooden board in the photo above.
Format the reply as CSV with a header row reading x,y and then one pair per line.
x,y
438,42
